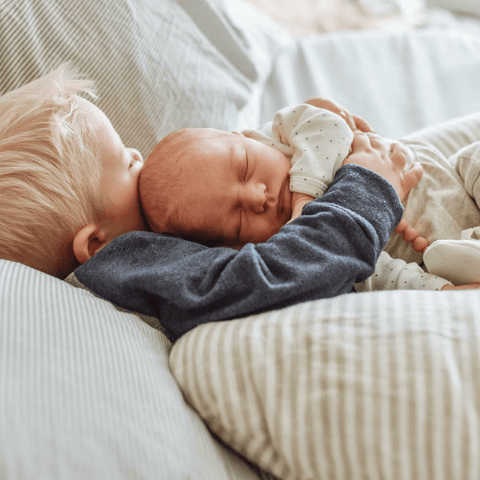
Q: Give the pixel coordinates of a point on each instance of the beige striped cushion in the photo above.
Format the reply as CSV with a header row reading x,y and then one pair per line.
x,y
382,385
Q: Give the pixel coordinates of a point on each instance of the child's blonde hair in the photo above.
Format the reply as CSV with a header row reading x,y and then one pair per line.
x,y
49,167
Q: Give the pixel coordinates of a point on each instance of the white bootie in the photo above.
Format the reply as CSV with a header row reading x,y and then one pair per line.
x,y
456,260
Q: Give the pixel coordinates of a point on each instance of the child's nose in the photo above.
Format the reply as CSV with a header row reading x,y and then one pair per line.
x,y
254,197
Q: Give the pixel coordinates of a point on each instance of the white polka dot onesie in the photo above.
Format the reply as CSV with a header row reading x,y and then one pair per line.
x,y
316,141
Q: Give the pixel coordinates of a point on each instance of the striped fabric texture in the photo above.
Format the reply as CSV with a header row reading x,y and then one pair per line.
x,y
377,386
382,385
87,393
362,386
158,66
85,390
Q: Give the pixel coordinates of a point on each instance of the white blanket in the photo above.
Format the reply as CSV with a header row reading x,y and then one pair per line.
x,y
399,82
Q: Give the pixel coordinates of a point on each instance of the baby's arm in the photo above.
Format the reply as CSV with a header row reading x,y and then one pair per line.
x,y
320,140
395,274
315,140
299,200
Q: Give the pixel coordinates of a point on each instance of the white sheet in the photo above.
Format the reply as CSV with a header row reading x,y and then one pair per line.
x,y
399,83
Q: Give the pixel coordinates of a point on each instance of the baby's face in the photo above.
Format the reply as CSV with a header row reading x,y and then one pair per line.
x,y
236,190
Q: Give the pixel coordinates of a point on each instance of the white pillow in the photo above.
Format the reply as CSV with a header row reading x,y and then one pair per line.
x,y
158,65
378,385
87,393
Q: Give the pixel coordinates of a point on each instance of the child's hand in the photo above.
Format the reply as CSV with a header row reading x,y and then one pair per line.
x,y
371,152
410,235
299,200
353,121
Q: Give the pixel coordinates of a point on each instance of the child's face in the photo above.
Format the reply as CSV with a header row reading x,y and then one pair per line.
x,y
237,189
121,166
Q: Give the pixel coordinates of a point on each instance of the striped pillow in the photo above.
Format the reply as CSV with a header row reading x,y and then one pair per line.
x,y
376,385
158,65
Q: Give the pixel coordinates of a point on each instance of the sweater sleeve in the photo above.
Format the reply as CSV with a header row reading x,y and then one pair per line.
x,y
333,244
396,274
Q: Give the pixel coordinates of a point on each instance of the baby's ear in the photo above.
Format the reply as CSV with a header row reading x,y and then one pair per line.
x,y
88,241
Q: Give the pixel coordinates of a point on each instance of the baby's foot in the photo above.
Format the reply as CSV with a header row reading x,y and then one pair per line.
x,y
455,260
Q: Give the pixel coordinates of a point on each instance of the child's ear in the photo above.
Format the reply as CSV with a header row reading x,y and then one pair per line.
x,y
88,241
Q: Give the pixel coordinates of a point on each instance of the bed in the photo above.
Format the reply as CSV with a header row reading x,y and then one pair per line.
x,y
380,385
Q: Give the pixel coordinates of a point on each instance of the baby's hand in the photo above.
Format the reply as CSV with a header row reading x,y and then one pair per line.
x,y
353,121
371,152
299,200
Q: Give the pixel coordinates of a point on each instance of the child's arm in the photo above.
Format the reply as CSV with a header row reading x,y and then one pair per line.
x,y
371,152
334,244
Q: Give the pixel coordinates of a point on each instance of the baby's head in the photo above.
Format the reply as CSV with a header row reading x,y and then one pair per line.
x,y
215,187
62,168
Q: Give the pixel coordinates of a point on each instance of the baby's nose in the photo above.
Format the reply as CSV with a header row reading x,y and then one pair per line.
x,y
254,197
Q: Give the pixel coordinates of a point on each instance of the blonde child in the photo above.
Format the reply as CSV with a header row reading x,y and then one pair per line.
x,y
70,206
